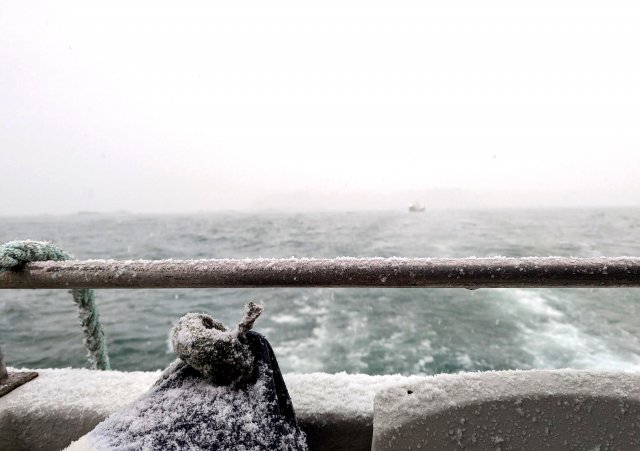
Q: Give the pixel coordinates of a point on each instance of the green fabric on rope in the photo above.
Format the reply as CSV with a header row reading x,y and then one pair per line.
x,y
15,254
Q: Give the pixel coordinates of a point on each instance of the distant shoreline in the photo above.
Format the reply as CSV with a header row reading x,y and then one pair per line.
x,y
402,210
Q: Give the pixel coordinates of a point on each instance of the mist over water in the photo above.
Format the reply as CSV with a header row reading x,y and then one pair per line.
x,y
374,331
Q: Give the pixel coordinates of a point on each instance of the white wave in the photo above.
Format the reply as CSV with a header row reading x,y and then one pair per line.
x,y
556,343
536,303
465,361
286,319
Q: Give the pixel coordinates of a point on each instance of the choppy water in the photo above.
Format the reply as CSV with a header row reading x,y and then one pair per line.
x,y
374,331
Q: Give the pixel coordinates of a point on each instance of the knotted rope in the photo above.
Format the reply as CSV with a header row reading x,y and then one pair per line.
x,y
15,254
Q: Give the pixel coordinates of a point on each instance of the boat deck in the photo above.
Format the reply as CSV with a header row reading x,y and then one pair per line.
x,y
538,409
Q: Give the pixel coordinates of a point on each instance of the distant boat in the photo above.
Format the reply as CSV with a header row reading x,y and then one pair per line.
x,y
416,207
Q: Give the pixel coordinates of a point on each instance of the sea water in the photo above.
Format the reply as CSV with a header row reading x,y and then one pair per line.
x,y
373,331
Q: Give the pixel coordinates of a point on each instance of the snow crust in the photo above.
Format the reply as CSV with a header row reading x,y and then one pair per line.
x,y
62,405
83,390
196,414
343,259
321,396
535,409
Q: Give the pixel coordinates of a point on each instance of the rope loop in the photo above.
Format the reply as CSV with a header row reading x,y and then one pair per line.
x,y
15,254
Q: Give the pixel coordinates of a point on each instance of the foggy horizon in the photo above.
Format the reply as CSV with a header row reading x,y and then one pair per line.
x,y
329,202
165,108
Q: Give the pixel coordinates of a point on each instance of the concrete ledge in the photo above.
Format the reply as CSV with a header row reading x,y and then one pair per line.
x,y
563,409
61,405
336,410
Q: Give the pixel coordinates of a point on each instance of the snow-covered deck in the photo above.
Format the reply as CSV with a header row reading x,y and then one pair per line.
x,y
499,410
559,409
61,405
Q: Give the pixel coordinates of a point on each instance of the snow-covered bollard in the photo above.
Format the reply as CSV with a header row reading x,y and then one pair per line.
x,y
207,346
225,391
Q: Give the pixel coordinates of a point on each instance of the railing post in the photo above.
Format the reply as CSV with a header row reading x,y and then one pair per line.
x,y
3,368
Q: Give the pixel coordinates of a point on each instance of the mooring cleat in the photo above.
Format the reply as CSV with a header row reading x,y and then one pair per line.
x,y
10,380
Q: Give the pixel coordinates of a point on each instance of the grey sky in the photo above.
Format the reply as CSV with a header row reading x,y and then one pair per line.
x,y
151,106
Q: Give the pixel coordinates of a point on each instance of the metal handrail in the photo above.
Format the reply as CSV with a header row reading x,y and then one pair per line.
x,y
472,273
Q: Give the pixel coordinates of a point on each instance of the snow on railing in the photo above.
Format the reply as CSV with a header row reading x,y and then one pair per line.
x,y
469,273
